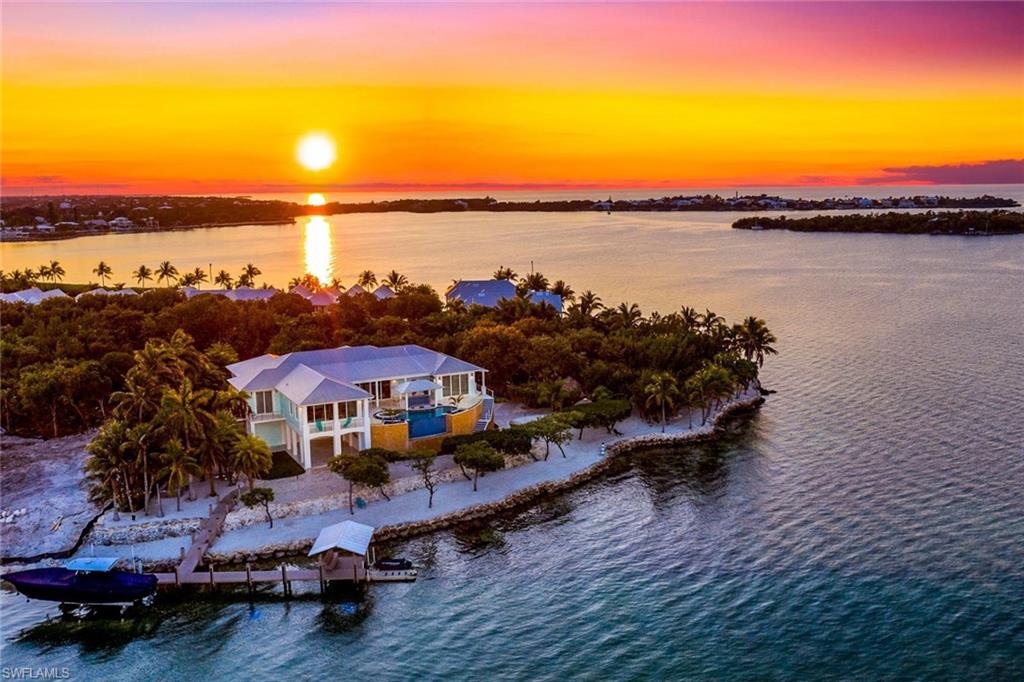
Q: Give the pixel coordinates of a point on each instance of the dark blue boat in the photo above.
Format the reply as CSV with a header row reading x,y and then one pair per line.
x,y
84,581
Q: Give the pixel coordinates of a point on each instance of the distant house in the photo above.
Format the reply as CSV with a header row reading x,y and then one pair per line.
x,y
355,290
120,224
45,227
488,292
239,294
32,296
321,299
300,290
313,404
100,291
383,292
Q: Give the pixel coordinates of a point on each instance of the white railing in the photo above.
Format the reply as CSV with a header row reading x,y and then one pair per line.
x,y
265,416
327,425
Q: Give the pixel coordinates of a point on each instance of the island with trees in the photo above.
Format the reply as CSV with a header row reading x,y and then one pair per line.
x,y
43,218
963,223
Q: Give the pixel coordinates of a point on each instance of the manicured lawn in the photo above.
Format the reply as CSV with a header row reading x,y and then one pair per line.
x,y
284,466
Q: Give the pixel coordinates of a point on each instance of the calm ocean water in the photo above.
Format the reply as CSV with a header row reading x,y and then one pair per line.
x,y
866,523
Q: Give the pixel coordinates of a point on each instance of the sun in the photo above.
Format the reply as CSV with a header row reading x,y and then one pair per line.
x,y
316,199
315,151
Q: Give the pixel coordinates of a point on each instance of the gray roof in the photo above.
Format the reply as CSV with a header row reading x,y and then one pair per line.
x,y
330,374
347,535
239,294
488,292
417,386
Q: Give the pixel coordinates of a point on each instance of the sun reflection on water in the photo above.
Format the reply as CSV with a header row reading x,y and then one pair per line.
x,y
319,248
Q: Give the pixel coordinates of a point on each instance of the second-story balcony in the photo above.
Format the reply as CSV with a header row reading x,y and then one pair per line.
x,y
265,416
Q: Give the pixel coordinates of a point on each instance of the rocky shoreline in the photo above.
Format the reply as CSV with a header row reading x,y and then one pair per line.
x,y
516,501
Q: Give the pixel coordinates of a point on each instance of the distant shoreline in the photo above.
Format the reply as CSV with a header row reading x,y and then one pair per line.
x,y
91,216
948,223
61,236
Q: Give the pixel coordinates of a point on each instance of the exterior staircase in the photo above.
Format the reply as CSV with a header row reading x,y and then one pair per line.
x,y
486,415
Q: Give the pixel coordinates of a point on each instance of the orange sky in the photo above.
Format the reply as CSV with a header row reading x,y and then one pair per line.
x,y
185,97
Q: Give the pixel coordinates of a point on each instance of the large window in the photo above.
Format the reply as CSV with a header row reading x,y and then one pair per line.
x,y
264,402
455,384
349,409
315,413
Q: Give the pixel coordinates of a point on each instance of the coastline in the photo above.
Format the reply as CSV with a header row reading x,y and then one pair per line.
x,y
177,228
407,515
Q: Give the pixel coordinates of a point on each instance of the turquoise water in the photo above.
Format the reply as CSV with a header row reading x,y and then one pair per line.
x,y
866,523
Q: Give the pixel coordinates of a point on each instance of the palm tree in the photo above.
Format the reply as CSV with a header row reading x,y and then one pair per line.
x,y
251,457
199,276
563,290
166,271
710,320
184,414
753,338
44,272
396,281
589,303
105,463
187,280
224,279
102,270
625,316
711,383
142,275
366,279
56,271
662,390
505,273
179,467
250,272
536,281
689,317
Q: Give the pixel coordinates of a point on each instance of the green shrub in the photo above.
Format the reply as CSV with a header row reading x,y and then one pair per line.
x,y
388,455
511,441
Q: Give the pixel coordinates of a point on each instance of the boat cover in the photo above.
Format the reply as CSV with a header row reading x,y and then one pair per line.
x,y
347,535
91,563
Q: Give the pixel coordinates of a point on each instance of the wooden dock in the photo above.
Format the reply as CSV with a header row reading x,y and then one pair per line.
x,y
351,568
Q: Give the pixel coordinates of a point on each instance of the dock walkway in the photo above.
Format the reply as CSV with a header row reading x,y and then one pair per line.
x,y
350,569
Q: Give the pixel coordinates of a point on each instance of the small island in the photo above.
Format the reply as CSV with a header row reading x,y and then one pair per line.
x,y
964,223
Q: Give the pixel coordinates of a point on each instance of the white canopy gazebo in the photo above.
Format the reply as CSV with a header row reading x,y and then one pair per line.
x,y
406,388
348,536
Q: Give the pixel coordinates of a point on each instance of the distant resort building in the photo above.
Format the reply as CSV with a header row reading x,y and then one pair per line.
x,y
237,294
100,291
488,292
32,296
383,292
314,404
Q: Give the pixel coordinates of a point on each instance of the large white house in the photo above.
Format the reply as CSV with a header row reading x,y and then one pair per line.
x,y
314,404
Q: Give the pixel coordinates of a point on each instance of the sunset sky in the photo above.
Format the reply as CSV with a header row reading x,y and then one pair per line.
x,y
190,97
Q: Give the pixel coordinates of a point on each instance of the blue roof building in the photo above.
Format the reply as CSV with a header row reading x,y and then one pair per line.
x,y
487,292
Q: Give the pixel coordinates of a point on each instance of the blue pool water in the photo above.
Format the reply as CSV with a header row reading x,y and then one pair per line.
x,y
427,422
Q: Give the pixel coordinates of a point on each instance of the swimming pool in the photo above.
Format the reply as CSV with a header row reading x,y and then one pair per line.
x,y
427,422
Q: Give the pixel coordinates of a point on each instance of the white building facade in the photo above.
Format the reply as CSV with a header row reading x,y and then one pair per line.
x,y
323,402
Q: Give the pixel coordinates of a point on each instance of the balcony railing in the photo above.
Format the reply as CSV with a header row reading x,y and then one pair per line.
x,y
265,416
327,425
